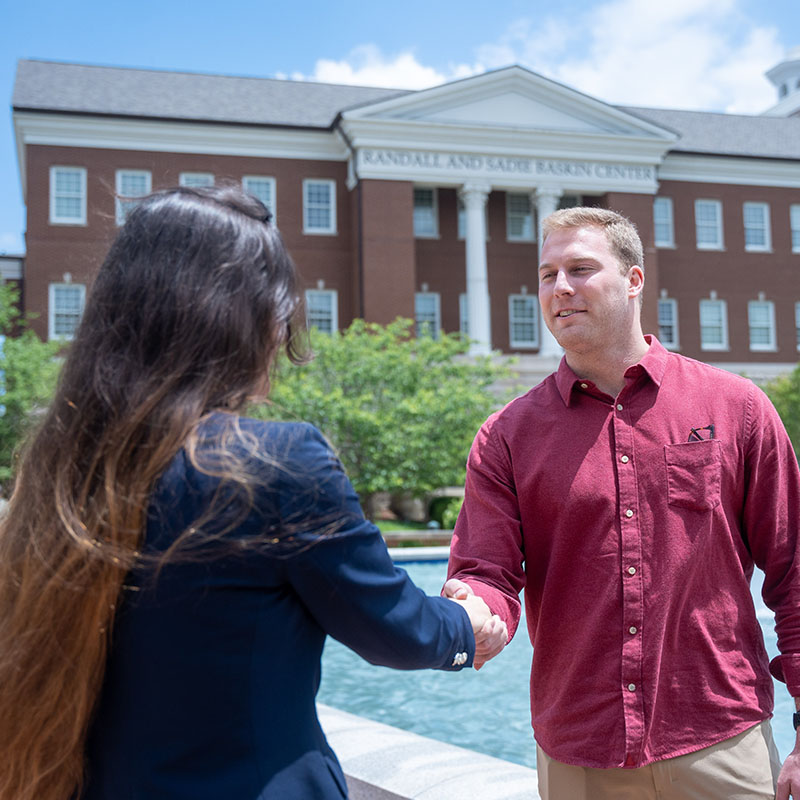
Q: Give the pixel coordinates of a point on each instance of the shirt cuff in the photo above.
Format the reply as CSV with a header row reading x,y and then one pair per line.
x,y
499,603
786,668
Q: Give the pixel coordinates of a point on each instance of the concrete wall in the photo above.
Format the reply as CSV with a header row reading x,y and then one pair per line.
x,y
386,763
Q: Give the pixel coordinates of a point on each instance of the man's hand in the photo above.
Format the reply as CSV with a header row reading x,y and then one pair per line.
x,y
789,779
491,637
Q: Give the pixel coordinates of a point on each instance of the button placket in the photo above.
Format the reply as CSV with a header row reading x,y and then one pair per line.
x,y
632,590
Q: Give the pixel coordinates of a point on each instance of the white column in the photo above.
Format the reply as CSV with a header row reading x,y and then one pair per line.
x,y
474,196
546,199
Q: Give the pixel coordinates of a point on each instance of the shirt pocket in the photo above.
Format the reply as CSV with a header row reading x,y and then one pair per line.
x,y
694,474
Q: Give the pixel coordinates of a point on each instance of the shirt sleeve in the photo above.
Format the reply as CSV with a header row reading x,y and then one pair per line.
x,y
770,525
487,549
348,582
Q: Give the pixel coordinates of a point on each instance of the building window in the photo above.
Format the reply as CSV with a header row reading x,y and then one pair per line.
x,y
426,314
263,189
570,201
319,206
713,325
668,322
761,319
794,219
519,218
756,227
67,195
322,310
797,323
708,224
65,307
662,220
463,314
196,179
426,213
523,320
133,183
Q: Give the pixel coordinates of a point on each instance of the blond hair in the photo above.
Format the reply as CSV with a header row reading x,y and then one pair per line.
x,y
620,232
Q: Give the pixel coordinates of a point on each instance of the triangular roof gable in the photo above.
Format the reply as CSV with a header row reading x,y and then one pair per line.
x,y
510,97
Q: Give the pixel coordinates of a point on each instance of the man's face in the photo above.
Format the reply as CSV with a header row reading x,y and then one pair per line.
x,y
587,303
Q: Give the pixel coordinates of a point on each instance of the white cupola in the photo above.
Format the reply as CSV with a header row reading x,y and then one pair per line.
x,y
785,76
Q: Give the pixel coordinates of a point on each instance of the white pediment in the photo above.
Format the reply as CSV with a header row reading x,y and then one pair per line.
x,y
510,98
514,109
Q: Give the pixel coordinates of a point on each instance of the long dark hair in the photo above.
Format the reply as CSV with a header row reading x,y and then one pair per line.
x,y
188,312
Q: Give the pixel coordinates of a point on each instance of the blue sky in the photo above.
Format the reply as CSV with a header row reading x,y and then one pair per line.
x,y
701,54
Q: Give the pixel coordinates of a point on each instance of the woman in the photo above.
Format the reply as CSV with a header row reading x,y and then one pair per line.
x,y
168,569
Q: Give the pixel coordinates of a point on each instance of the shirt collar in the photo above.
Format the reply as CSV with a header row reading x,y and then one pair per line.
x,y
654,363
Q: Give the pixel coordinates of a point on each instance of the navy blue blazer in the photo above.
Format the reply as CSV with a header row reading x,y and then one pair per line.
x,y
215,661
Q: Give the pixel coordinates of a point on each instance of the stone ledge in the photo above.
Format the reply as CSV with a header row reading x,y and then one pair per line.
x,y
386,763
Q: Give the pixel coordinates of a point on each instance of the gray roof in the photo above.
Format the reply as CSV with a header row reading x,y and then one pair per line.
x,y
117,91
727,134
55,86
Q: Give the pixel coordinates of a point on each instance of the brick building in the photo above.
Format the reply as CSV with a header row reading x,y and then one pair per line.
x,y
426,204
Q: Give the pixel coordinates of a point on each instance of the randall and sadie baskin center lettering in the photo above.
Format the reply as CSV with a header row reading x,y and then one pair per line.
x,y
469,165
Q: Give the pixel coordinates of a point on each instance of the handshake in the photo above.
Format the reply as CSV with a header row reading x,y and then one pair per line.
x,y
491,633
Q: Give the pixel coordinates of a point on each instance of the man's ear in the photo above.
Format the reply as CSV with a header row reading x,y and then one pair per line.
x,y
635,281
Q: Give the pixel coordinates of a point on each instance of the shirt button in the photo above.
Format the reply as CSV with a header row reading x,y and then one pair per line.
x,y
619,406
624,459
631,570
584,386
632,630
629,513
631,687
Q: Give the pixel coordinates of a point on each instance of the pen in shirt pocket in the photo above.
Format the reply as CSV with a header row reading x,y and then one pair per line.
x,y
696,434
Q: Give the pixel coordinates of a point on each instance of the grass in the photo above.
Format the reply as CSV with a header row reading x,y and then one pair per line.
x,y
386,525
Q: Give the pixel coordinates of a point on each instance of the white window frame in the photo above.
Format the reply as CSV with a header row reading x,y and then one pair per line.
x,y
723,307
794,224
434,213
525,236
333,296
330,229
771,345
272,205
797,323
55,219
463,314
196,180
436,325
719,242
52,312
663,217
672,304
763,229
523,344
122,206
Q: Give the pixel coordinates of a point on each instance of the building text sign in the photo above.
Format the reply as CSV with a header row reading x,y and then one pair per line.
x,y
450,167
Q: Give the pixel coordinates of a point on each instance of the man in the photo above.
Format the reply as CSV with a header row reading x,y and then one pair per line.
x,y
630,494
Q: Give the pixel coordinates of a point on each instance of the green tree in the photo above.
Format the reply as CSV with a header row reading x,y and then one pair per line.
x,y
400,411
784,392
29,373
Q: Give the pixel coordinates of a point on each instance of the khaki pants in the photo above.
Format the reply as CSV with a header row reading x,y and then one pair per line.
x,y
745,767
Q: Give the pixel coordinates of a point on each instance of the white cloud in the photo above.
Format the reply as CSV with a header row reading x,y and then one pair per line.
x,y
366,65
703,54
11,243
688,54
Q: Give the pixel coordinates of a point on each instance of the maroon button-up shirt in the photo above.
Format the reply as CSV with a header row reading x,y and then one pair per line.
x,y
633,523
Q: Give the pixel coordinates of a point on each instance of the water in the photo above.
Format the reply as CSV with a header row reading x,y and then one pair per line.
x,y
486,710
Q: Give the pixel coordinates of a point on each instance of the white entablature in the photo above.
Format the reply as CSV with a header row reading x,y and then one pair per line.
x,y
512,127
